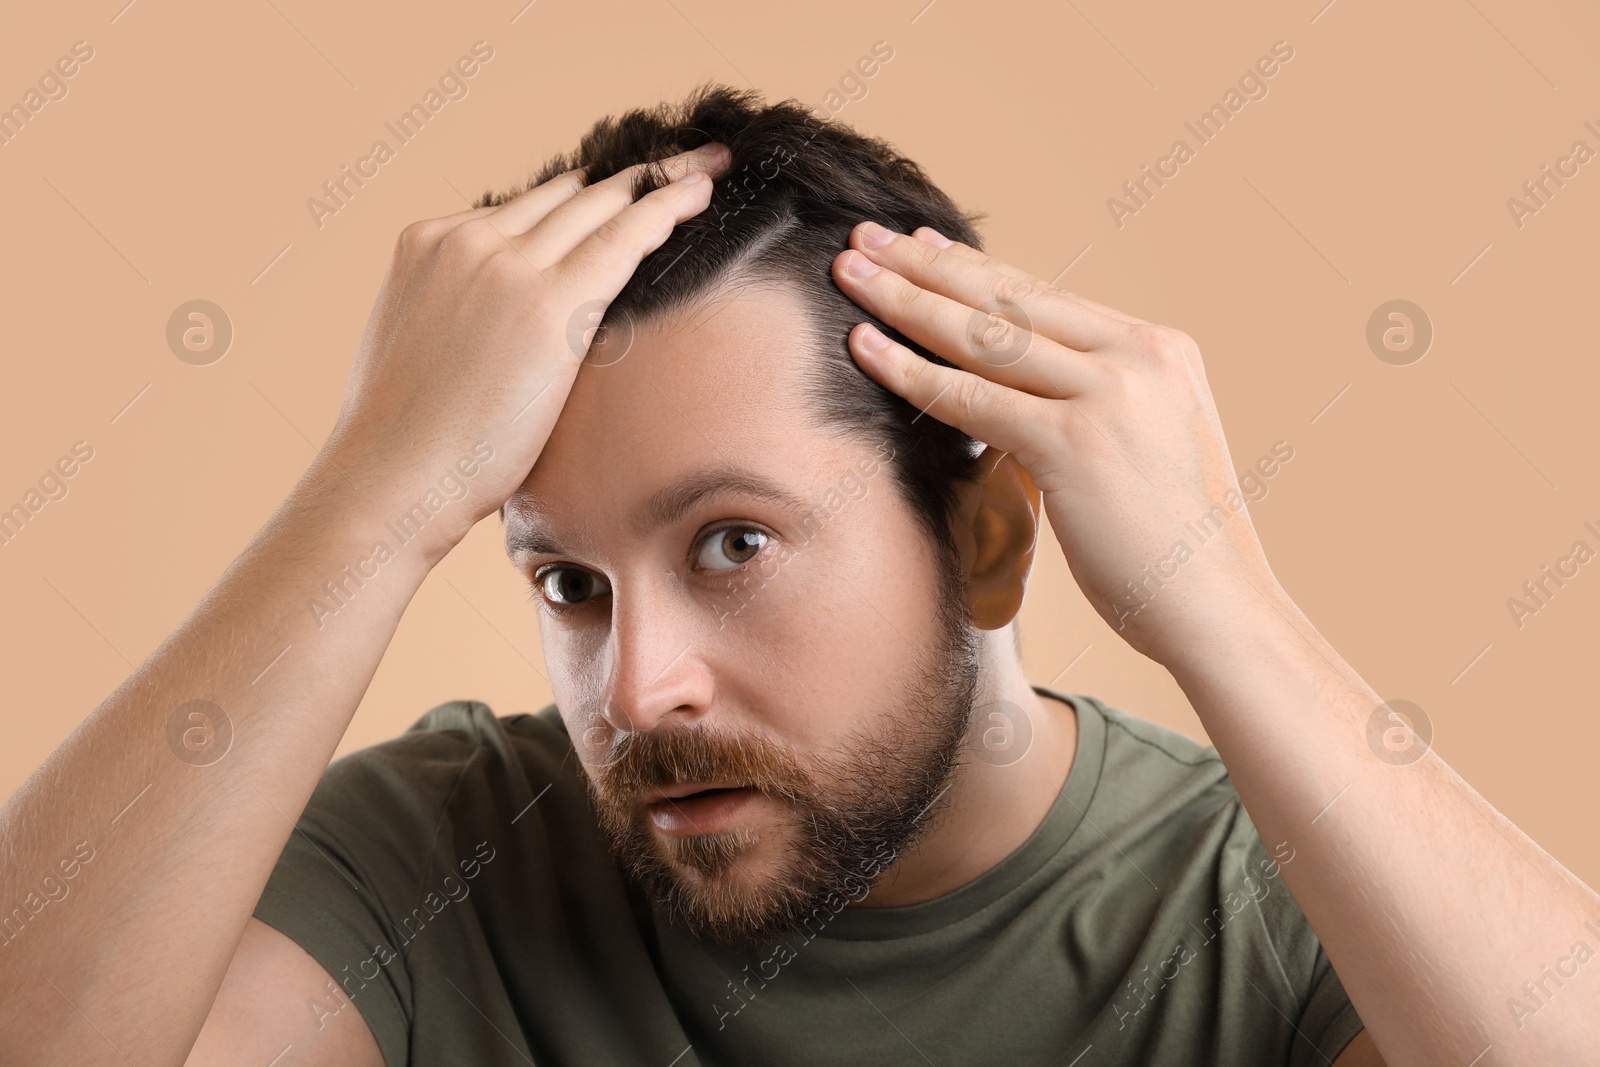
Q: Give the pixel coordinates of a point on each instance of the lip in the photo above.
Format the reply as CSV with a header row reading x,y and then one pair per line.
x,y
683,789
677,812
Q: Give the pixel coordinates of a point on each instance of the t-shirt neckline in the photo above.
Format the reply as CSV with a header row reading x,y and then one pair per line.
x,y
1066,814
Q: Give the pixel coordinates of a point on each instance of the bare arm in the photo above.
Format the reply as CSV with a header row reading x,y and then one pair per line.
x,y
129,959
1434,908
1459,941
170,827
279,1006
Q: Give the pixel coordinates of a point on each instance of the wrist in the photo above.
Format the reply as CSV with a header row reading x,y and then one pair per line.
x,y
384,517
415,509
1249,624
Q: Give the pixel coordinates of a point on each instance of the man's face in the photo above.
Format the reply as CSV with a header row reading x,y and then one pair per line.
x,y
803,643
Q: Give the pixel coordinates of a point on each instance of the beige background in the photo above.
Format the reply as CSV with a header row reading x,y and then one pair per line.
x,y
1378,167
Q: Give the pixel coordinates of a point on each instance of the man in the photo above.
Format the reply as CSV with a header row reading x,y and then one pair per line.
x,y
795,801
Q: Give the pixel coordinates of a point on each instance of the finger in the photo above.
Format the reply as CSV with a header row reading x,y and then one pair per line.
x,y
523,211
569,223
929,235
528,207
995,414
1025,301
513,216
604,261
974,339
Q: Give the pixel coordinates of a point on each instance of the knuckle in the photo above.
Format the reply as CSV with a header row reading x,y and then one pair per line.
x,y
1162,343
511,270
474,239
1178,349
1013,291
612,233
416,238
903,296
967,394
995,336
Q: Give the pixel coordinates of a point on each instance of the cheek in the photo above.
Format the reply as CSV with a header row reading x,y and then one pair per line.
x,y
838,626
575,659
769,628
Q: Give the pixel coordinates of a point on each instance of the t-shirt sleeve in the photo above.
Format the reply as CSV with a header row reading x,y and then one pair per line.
x,y
356,862
1313,999
1329,1021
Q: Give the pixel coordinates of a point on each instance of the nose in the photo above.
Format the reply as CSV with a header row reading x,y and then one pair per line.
x,y
657,668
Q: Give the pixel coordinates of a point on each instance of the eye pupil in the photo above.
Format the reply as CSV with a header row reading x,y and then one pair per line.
x,y
750,542
566,585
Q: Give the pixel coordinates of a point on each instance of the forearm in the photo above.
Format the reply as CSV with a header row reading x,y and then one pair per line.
x,y
182,841
1434,909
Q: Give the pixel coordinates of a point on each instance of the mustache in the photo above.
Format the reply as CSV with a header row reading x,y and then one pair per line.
x,y
642,760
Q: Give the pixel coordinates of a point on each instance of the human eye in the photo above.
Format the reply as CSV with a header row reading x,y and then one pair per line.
x,y
729,547
568,587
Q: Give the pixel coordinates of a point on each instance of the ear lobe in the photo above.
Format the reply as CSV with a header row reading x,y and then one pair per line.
x,y
1004,535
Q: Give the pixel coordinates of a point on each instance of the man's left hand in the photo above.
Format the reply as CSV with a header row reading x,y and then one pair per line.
x,y
1111,417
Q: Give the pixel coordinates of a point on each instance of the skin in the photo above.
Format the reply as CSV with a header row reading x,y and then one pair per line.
x,y
1105,422
669,632
658,636
467,343
1433,907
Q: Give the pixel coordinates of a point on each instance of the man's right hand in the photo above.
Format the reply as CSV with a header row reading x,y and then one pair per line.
x,y
478,330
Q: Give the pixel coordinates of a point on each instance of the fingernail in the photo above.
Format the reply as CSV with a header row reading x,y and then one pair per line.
x,y
692,177
859,266
933,237
712,149
872,339
875,236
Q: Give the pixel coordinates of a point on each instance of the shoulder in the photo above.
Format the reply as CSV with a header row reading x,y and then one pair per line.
x,y
1206,890
396,838
437,752
1144,740
1172,797
461,730
457,772
1145,777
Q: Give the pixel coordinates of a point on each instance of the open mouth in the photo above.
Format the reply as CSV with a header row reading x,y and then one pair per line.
x,y
705,793
700,812
701,794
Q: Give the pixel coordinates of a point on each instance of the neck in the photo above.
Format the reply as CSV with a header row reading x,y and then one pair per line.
x,y
992,805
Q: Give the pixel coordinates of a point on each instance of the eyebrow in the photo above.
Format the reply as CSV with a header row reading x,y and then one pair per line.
x,y
668,505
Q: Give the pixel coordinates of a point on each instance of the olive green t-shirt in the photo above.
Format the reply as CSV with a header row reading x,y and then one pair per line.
x,y
455,884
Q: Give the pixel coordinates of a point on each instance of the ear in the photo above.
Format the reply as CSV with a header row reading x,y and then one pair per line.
x,y
996,530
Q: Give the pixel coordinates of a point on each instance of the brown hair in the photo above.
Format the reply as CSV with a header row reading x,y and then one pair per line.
x,y
783,209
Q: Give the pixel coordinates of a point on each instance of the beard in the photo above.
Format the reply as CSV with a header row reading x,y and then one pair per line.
x,y
849,815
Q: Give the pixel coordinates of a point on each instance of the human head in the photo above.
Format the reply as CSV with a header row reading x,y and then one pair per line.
x,y
837,675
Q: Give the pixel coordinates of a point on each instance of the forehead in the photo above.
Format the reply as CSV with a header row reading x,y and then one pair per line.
x,y
714,389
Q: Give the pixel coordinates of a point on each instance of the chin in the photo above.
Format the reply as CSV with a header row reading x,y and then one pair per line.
x,y
732,886
743,858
